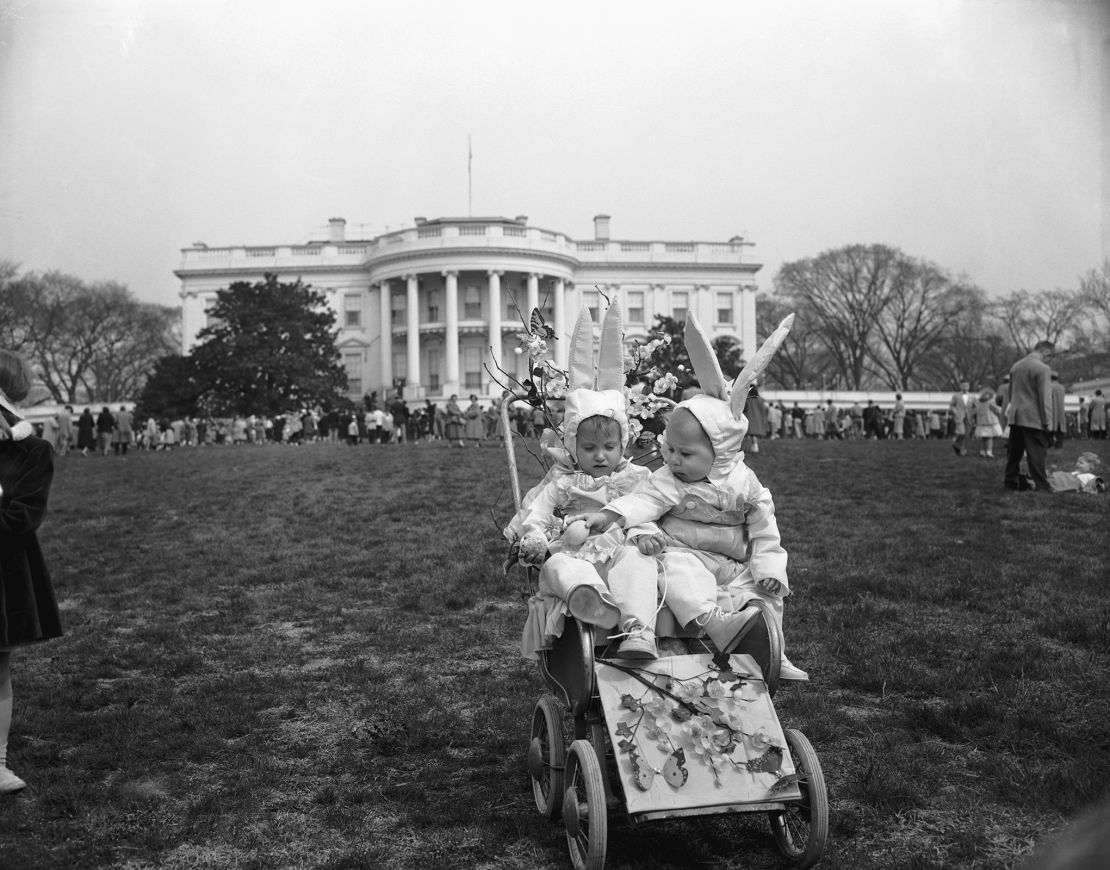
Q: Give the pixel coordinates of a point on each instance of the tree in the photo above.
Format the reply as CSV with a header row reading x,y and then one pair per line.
x,y
171,391
793,366
923,307
271,347
843,292
1050,315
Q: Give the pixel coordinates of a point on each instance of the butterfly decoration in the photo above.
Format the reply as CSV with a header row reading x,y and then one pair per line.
x,y
643,775
538,326
769,762
784,782
674,770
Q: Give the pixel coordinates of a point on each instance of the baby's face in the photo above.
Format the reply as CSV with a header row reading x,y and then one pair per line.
x,y
1083,465
688,452
598,455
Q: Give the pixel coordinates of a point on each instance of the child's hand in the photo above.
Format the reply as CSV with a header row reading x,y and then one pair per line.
x,y
650,545
769,584
596,521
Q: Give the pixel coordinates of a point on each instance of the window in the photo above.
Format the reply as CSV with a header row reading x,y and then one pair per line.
x,y
352,362
433,306
680,302
400,359
434,364
635,300
591,300
724,308
397,308
472,368
352,310
472,304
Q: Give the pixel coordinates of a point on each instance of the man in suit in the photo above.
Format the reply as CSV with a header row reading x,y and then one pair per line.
x,y
1030,416
961,407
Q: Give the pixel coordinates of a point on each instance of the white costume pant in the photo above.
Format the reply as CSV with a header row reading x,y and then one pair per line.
x,y
628,578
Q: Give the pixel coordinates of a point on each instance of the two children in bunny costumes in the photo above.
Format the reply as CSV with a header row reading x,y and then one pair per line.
x,y
718,521
609,576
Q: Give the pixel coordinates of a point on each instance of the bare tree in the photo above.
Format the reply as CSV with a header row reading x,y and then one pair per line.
x,y
793,366
1094,287
1051,315
924,306
845,291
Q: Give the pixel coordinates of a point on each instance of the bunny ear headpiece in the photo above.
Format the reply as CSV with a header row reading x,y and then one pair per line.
x,y
595,390
719,409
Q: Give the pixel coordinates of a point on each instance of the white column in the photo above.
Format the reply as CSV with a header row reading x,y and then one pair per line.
x,y
412,349
494,323
386,313
451,338
533,294
560,325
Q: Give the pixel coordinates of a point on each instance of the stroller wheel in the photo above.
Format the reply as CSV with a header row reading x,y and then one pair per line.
x,y
547,756
802,829
584,808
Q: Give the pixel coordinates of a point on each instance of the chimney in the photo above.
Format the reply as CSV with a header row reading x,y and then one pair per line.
x,y
337,230
601,227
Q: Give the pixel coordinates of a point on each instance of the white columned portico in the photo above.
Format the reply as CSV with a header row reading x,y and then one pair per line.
x,y
495,319
385,309
451,336
533,293
412,345
560,325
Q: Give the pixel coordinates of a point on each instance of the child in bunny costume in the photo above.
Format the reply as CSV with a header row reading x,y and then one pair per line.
x,y
597,578
719,533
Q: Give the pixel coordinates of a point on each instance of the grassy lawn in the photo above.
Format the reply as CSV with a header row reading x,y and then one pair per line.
x,y
308,657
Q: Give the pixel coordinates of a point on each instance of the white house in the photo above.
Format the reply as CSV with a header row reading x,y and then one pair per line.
x,y
428,308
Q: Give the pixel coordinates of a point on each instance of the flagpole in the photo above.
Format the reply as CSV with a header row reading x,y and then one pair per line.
x,y
469,179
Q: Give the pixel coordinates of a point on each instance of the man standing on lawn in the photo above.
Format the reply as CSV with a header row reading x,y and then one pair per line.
x,y
1030,416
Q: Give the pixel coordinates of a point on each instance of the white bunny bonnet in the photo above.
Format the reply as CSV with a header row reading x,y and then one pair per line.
x,y
719,409
595,390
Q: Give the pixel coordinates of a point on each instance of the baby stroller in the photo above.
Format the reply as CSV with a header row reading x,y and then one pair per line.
x,y
682,735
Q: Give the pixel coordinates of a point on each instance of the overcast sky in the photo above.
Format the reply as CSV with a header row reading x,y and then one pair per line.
x,y
966,133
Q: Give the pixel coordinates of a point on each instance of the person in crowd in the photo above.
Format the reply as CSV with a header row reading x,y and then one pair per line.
x,y
935,430
152,434
1029,416
961,406
105,426
473,428
352,430
832,421
857,421
1082,419
1059,418
50,430
798,421
988,422
28,609
454,422
717,519
1096,417
899,417
400,412
124,434
755,409
65,431
308,426
872,421
86,432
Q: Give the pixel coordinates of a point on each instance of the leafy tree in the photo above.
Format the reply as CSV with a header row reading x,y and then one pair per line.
x,y
843,292
271,346
172,390
673,357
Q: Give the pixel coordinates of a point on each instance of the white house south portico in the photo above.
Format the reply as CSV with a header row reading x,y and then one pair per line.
x,y
428,308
